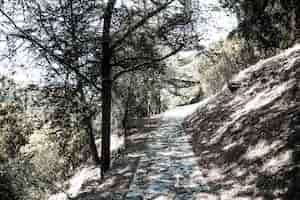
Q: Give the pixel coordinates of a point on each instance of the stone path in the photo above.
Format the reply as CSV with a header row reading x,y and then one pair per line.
x,y
167,167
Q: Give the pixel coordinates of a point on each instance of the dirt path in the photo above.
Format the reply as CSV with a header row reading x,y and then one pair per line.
x,y
167,167
158,163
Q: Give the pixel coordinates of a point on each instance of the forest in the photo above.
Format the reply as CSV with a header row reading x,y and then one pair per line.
x,y
149,99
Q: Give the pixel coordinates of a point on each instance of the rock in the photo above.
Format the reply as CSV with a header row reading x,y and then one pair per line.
x,y
233,86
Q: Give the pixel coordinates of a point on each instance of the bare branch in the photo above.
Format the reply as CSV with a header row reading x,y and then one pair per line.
x,y
141,65
140,23
34,41
126,61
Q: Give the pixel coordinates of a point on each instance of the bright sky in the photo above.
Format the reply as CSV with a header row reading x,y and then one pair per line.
x,y
214,26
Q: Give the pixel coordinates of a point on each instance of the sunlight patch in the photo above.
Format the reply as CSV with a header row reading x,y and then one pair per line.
x,y
264,98
215,174
245,74
231,145
84,175
261,149
219,133
276,163
181,112
59,196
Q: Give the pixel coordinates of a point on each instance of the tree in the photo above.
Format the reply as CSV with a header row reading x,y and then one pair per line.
x,y
110,40
110,49
269,23
14,132
14,127
69,118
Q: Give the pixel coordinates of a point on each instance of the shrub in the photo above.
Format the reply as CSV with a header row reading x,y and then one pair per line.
x,y
221,61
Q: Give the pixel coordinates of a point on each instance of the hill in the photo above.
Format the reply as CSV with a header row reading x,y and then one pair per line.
x,y
248,141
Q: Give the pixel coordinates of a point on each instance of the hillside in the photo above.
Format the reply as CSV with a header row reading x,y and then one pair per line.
x,y
247,141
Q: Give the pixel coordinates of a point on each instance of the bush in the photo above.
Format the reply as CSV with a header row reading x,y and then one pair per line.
x,y
7,190
14,129
19,180
29,159
222,61
44,155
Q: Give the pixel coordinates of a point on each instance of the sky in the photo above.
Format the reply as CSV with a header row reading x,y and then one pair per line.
x,y
213,26
216,24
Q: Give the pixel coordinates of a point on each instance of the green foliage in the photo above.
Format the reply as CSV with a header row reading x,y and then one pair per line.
x,y
22,180
7,190
265,27
268,24
69,40
18,177
90,44
141,92
34,156
222,61
41,149
14,129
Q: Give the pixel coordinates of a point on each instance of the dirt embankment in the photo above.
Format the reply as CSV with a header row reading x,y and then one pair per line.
x,y
248,141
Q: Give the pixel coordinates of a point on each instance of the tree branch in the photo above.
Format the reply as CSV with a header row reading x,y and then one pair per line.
x,y
60,60
139,66
139,24
129,60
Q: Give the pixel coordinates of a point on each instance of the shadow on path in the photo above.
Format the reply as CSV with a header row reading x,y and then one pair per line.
x,y
167,167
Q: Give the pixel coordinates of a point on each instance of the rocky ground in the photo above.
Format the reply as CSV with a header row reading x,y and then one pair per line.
x,y
167,167
248,140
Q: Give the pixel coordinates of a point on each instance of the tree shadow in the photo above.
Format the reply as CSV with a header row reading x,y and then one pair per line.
x,y
255,157
165,171
114,185
118,179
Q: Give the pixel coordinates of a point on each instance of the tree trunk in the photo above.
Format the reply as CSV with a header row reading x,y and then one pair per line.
x,y
106,86
88,123
92,142
106,120
127,104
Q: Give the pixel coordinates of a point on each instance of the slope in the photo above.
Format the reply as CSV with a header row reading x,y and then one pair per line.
x,y
248,141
